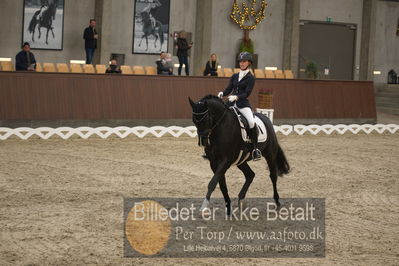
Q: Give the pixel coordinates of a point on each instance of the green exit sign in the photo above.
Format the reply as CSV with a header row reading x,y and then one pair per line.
x,y
328,19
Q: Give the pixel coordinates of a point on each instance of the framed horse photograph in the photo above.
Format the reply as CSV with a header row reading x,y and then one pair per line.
x,y
43,24
151,26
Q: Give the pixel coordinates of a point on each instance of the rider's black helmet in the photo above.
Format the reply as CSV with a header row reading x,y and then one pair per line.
x,y
245,56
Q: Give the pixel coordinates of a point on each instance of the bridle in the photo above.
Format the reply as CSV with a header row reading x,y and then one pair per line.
x,y
207,132
203,113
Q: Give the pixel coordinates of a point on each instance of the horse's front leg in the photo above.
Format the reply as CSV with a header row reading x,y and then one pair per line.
x,y
218,174
52,31
146,41
48,30
40,31
225,192
33,34
142,38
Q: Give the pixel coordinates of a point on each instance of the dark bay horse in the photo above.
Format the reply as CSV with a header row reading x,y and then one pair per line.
x,y
44,21
149,29
219,131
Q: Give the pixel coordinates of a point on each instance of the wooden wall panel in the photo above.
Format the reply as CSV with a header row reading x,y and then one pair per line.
x,y
56,96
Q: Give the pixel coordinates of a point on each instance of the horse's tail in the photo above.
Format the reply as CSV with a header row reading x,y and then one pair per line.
x,y
283,166
33,22
54,10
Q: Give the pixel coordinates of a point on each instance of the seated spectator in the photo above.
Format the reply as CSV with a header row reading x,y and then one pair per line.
x,y
25,60
113,68
163,66
211,68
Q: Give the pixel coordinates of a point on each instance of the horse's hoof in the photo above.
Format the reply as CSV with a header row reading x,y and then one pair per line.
x,y
204,206
229,209
242,204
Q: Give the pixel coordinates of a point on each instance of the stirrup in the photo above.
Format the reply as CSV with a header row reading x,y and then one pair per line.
x,y
256,154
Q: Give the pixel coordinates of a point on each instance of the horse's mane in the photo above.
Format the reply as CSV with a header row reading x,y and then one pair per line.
x,y
212,97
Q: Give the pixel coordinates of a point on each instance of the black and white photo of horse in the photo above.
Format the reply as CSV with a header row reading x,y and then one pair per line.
x,y
151,26
43,23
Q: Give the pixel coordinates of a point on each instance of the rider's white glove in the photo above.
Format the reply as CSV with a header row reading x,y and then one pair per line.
x,y
233,98
220,94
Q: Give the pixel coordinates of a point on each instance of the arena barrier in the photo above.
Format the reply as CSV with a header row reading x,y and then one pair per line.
x,y
175,131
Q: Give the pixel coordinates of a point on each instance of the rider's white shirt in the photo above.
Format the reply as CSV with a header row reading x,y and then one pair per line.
x,y
242,74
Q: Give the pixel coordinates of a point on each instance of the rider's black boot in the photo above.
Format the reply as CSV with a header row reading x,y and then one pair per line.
x,y
256,153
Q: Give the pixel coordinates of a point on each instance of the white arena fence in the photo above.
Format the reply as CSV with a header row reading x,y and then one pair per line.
x,y
175,131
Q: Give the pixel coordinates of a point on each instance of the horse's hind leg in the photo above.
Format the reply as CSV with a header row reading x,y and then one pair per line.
x,y
40,31
52,31
155,42
273,176
249,177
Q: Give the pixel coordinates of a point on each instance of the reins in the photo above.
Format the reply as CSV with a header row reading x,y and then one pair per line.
x,y
208,132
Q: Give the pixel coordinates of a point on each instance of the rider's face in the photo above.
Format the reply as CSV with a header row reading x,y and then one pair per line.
x,y
26,48
93,24
244,64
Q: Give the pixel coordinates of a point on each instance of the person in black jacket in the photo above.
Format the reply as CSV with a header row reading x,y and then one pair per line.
x,y
238,90
113,68
163,67
182,52
25,60
90,35
211,67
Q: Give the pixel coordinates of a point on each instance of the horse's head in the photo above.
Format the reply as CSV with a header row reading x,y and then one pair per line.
x,y
51,10
206,115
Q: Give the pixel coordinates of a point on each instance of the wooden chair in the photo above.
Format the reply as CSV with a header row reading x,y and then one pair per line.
x,y
269,74
76,68
288,74
126,70
7,66
138,70
101,69
62,68
49,67
150,70
259,73
228,72
39,67
89,69
279,74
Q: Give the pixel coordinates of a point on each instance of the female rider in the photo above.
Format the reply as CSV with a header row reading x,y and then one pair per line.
x,y
238,91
